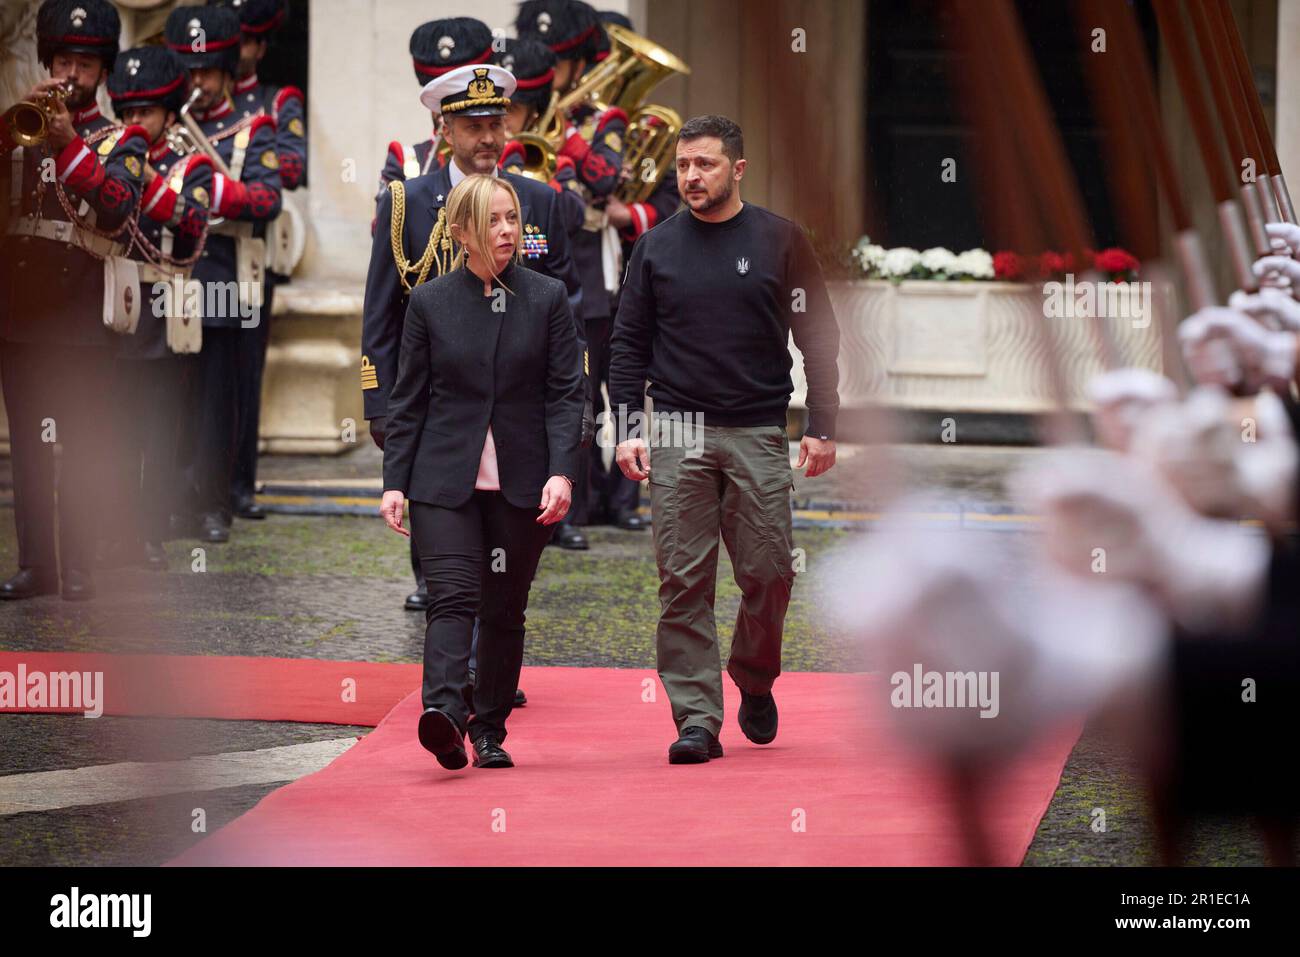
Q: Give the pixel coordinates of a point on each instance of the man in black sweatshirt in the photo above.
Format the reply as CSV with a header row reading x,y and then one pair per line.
x,y
711,297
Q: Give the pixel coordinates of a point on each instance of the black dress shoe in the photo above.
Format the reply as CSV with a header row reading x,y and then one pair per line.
x,y
757,717
631,522
28,583
77,585
488,753
694,746
566,536
214,529
247,507
418,600
521,699
440,736
155,557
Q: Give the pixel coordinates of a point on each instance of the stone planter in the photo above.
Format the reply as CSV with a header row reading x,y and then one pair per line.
x,y
972,346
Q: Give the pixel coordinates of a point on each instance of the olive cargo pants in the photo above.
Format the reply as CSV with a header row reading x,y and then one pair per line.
x,y
735,481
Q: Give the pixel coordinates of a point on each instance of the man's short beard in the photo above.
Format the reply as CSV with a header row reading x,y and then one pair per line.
x,y
712,202
80,99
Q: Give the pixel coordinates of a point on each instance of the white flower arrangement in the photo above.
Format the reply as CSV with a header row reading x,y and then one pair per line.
x,y
903,262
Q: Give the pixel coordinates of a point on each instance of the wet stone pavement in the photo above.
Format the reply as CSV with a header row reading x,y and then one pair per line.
x,y
331,587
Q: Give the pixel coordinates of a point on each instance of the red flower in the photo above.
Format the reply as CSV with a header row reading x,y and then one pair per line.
x,y
1008,266
1051,264
1116,260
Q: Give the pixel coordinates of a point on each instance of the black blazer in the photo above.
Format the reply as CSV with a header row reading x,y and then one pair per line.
x,y
464,364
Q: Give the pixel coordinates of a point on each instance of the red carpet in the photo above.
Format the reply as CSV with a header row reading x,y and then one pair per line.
x,y
593,787
252,689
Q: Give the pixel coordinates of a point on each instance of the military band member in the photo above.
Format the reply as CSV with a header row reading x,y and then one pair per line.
x,y
594,144
147,87
410,244
533,66
437,48
615,498
231,267
258,21
68,203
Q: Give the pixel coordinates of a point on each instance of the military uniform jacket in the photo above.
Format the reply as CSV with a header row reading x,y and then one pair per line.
x,y
253,196
173,216
50,290
545,248
285,105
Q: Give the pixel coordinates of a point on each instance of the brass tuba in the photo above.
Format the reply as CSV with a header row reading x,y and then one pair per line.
x,y
634,67
651,134
28,123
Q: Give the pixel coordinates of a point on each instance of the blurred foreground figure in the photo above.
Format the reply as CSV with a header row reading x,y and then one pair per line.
x,y
1166,517
981,664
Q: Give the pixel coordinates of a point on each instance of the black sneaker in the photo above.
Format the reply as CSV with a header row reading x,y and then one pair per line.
x,y
440,736
488,753
694,746
757,716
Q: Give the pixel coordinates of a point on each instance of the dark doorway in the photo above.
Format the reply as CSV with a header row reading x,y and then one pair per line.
x,y
914,123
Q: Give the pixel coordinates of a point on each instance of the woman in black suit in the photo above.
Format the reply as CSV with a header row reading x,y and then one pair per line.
x,y
484,423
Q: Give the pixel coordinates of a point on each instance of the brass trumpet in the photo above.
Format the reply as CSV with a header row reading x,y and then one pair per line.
x,y
28,123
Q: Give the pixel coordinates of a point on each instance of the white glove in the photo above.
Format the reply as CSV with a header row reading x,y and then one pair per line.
x,y
1284,238
954,603
1116,517
1267,468
1121,397
1225,347
1272,308
1280,272
1194,444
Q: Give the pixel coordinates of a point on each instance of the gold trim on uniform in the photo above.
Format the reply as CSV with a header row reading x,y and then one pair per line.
x,y
295,127
270,160
369,375
132,165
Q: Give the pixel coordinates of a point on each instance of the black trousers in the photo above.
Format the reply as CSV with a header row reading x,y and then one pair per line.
x,y
250,363
478,560
215,419
150,398
58,393
611,491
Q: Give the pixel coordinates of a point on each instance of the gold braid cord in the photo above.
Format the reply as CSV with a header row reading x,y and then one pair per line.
x,y
438,251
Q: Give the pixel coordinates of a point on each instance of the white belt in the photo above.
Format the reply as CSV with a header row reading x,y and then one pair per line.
x,y
150,274
70,233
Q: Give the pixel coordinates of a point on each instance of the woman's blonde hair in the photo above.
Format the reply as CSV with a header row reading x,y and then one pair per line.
x,y
471,202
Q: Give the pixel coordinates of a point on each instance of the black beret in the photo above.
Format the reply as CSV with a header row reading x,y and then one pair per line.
x,y
78,26
257,17
204,37
568,27
533,65
442,45
147,76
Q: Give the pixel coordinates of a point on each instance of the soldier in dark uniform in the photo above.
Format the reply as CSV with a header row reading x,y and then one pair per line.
x,y
56,349
533,66
594,143
231,267
258,20
437,47
154,366
410,244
